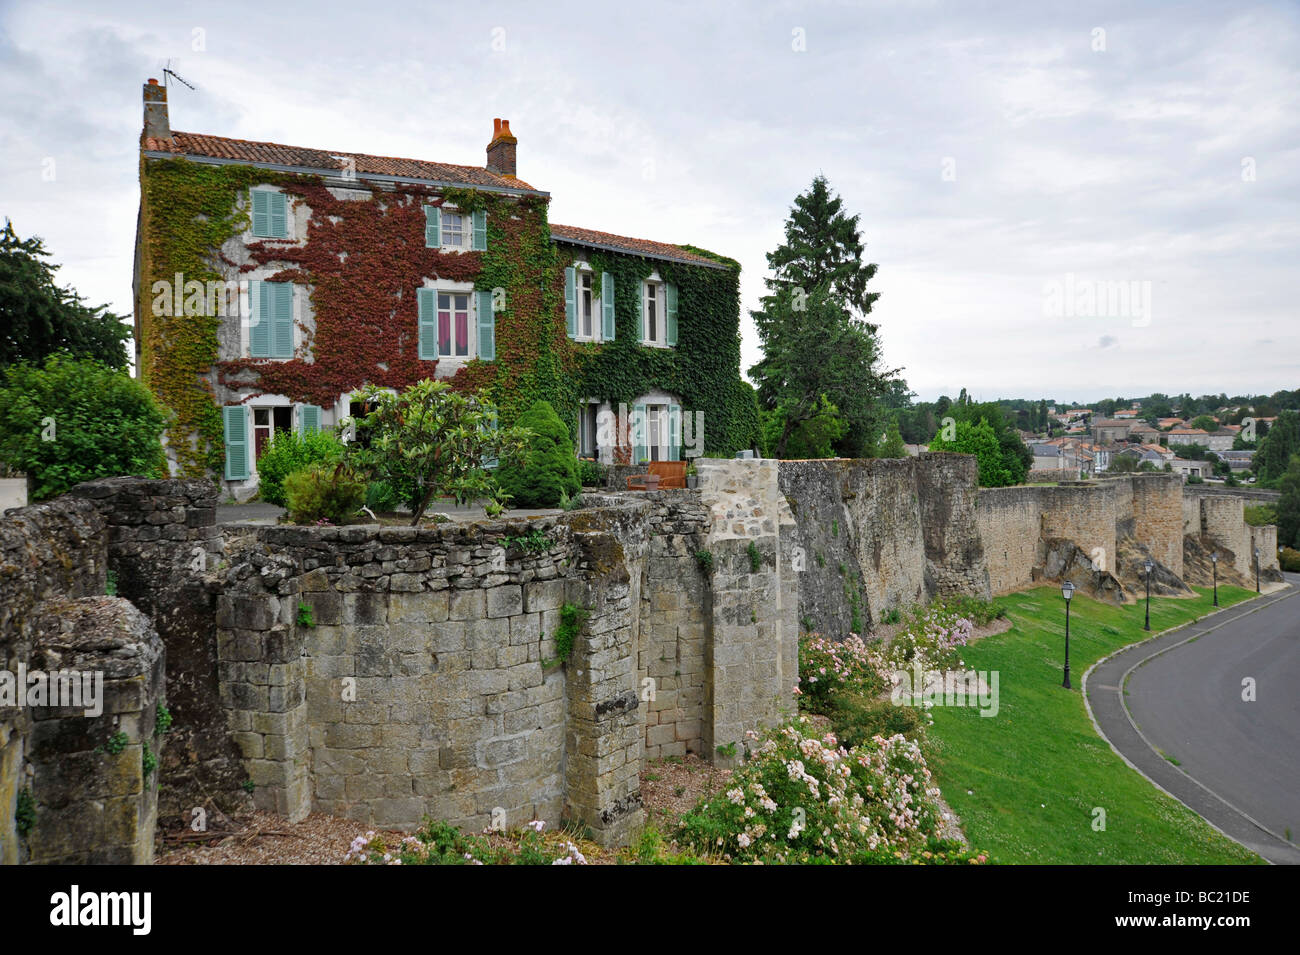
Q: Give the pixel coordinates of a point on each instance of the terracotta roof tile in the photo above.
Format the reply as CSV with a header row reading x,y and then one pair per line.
x,y
658,250
244,150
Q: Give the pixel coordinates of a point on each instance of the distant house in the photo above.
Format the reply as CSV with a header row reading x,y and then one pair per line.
x,y
1143,433
1108,430
1166,423
1190,436
1238,460
1190,468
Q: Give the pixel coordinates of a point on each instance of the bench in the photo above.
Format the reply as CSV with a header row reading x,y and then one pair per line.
x,y
671,473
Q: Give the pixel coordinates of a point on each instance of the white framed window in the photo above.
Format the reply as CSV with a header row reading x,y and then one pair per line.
x,y
652,327
455,335
455,232
658,313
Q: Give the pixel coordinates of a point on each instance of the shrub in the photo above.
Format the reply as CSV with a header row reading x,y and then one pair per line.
x,y
1258,515
931,640
70,421
858,719
800,799
980,612
1289,559
439,843
382,497
591,473
289,451
572,619
548,468
828,669
430,442
324,492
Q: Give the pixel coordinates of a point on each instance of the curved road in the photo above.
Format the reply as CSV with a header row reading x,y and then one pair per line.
x,y
1238,761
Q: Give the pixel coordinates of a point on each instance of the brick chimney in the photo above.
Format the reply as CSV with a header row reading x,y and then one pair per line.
x,y
156,124
501,151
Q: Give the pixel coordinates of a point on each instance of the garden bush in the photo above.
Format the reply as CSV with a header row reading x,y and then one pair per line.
x,y
979,612
591,473
804,799
857,719
439,843
829,669
548,468
69,421
382,497
324,492
1289,560
289,451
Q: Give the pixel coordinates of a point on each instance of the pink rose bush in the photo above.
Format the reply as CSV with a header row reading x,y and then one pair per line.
x,y
800,798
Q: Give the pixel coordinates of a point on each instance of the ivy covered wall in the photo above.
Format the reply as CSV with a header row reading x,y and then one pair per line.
x,y
362,263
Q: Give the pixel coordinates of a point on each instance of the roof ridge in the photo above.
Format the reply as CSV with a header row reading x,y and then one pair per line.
x,y
332,152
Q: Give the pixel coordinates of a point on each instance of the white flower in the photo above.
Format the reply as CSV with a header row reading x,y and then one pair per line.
x,y
536,825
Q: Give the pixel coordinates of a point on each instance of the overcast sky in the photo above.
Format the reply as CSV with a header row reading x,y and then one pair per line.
x,y
1006,159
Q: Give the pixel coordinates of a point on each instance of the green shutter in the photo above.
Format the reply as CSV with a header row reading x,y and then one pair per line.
x,y
259,325
432,227
487,326
261,213
428,324
282,319
308,419
571,300
479,219
607,306
279,215
236,422
670,309
674,432
640,427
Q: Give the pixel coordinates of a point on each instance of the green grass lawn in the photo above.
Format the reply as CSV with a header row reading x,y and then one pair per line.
x,y
1026,781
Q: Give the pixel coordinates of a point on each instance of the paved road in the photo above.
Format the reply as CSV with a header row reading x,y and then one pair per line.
x,y
1238,762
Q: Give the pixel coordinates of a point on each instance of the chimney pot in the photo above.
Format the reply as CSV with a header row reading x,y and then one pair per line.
x,y
501,151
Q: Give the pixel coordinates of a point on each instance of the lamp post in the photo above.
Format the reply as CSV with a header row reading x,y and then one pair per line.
x,y
1256,570
1067,591
1147,565
1214,561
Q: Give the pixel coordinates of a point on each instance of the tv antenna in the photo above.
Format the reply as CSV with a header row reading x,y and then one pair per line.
x,y
176,76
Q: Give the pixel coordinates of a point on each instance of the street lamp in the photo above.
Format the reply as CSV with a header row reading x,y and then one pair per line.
x,y
1148,565
1214,561
1067,591
1256,570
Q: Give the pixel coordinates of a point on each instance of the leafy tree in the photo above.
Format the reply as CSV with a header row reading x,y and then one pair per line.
x,y
1205,423
891,445
1276,448
430,442
978,439
1288,506
549,470
817,342
812,438
38,318
817,353
74,420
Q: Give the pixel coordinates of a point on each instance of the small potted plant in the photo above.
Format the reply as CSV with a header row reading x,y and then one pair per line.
x,y
692,476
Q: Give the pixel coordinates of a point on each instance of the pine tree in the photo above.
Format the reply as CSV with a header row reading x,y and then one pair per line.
x,y
817,343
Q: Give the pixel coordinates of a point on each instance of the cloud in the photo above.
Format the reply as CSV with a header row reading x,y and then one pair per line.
x,y
1120,165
